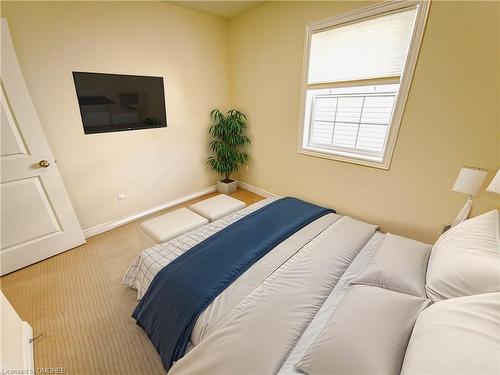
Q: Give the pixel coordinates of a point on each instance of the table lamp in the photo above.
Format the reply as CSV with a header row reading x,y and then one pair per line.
x,y
494,186
469,182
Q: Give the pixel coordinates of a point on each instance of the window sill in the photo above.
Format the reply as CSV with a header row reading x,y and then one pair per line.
x,y
383,164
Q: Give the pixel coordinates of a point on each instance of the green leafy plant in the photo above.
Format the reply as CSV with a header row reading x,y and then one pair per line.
x,y
227,141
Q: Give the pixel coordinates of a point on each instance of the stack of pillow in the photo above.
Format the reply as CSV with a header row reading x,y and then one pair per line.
x,y
460,332
384,324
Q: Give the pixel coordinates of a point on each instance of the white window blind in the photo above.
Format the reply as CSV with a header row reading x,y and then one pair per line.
x,y
352,118
356,80
371,48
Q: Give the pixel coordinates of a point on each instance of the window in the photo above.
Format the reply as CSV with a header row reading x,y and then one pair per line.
x,y
357,74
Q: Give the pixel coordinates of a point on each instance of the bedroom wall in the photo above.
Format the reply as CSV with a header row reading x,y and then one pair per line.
x,y
451,119
186,47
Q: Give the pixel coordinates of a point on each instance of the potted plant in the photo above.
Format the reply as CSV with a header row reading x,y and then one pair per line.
x,y
227,141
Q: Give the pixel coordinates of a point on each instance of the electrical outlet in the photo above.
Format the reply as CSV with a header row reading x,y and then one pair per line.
x,y
120,196
246,167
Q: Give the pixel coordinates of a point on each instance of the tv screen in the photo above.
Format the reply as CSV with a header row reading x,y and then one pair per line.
x,y
117,102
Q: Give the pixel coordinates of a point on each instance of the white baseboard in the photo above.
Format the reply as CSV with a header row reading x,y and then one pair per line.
x,y
101,228
255,189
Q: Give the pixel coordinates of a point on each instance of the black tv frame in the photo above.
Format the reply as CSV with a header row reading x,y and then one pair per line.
x,y
117,128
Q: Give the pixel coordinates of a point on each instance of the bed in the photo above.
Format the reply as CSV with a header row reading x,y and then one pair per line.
x,y
272,316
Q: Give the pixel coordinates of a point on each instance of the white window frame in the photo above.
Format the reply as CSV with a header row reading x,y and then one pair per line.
x,y
404,80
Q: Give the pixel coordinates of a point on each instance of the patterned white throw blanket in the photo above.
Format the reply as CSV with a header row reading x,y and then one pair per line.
x,y
150,261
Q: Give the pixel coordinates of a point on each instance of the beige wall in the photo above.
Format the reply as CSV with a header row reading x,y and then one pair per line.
x,y
187,48
255,64
451,119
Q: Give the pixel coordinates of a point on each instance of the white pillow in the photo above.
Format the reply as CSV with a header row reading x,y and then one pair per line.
x,y
399,264
466,259
367,334
456,336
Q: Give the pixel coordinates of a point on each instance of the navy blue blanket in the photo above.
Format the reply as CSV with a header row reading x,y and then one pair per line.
x,y
184,288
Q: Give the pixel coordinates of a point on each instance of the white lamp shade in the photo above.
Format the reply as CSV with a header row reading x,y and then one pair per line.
x,y
494,185
469,180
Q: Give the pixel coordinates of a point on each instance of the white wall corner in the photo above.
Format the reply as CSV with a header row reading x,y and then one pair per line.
x,y
255,189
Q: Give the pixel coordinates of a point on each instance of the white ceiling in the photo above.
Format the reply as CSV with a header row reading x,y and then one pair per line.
x,y
226,9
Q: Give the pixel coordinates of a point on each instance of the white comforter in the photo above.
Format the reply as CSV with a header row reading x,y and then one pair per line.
x,y
257,334
331,303
256,322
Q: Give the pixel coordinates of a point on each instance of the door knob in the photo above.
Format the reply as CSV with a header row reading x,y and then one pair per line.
x,y
44,163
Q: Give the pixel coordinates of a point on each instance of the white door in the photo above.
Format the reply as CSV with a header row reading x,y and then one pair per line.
x,y
37,218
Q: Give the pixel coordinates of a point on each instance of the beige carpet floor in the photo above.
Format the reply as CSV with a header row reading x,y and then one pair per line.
x,y
78,300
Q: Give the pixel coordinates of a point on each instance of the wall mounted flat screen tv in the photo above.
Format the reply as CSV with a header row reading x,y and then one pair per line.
x,y
117,102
